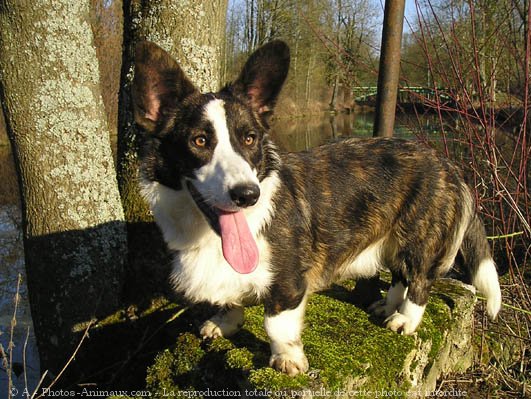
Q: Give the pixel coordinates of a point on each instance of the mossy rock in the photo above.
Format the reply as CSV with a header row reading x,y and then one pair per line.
x,y
349,352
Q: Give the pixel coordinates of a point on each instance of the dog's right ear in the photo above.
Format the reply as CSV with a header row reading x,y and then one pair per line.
x,y
159,85
262,77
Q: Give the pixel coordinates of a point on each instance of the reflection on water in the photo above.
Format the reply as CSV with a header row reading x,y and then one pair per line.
x,y
299,134
442,132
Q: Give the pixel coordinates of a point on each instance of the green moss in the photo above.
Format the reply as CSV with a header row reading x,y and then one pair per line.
x,y
114,318
120,316
267,379
239,358
188,352
437,314
345,347
157,304
342,342
177,369
160,375
219,345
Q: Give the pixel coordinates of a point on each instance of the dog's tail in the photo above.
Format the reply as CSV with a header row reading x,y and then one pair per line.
x,y
479,265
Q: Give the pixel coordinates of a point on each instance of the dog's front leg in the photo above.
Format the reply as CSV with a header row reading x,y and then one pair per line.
x,y
284,328
224,323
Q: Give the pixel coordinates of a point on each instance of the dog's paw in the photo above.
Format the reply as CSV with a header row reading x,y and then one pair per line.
x,y
210,330
224,324
289,363
400,324
381,308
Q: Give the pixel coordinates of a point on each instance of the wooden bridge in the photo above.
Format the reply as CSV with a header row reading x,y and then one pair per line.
x,y
406,95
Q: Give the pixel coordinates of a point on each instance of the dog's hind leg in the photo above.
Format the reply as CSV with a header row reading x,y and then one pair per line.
x,y
225,323
408,317
394,299
410,311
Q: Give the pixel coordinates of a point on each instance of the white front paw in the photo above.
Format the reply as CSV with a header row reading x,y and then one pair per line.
x,y
289,364
211,330
400,323
225,323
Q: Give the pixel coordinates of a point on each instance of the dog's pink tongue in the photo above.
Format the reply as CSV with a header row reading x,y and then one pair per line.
x,y
239,247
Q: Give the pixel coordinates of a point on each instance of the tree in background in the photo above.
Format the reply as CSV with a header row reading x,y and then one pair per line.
x,y
475,47
332,44
355,62
107,27
73,223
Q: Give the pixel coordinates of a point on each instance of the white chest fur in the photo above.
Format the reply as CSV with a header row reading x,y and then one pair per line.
x,y
199,268
202,274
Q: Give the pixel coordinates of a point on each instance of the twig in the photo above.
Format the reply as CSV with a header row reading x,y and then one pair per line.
x,y
509,306
11,342
498,237
85,335
24,364
39,384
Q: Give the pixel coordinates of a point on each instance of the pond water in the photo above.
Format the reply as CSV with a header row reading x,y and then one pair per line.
x,y
291,134
299,134
22,339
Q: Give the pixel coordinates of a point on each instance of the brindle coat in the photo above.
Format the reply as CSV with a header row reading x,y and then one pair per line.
x,y
347,209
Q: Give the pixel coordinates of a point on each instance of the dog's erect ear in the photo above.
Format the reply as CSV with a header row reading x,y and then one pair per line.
x,y
159,84
263,75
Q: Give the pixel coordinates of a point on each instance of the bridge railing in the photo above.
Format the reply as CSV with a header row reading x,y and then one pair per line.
x,y
406,94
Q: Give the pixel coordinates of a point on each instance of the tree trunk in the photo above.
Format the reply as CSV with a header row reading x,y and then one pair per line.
x,y
332,104
107,26
193,32
308,86
73,223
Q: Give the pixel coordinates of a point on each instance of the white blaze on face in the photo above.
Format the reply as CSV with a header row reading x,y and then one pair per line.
x,y
227,168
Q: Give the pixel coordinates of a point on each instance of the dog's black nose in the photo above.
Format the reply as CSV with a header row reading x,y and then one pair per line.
x,y
245,195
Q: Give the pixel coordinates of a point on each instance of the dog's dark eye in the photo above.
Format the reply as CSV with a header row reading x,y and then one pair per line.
x,y
250,138
200,141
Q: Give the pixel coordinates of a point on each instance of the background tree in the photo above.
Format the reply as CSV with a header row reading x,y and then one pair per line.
x,y
474,47
332,46
107,26
73,224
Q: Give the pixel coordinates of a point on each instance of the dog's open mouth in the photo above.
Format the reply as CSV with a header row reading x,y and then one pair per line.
x,y
238,244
